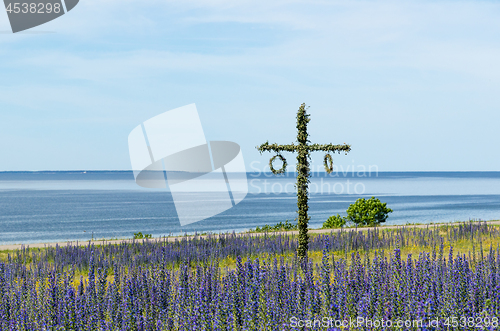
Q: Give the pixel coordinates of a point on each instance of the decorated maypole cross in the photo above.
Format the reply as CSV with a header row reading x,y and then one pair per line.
x,y
303,150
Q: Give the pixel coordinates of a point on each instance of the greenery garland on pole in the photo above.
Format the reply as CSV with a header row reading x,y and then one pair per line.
x,y
303,150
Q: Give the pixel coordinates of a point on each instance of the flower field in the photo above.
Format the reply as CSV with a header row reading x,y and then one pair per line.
x,y
182,285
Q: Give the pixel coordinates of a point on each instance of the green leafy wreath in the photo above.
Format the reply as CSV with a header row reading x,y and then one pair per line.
x,y
283,168
328,162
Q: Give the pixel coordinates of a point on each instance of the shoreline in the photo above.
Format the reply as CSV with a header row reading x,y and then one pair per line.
x,y
13,247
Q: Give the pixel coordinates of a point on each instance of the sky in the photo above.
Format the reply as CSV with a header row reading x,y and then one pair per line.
x,y
411,85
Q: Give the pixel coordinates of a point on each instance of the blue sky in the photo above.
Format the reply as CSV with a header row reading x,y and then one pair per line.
x,y
411,85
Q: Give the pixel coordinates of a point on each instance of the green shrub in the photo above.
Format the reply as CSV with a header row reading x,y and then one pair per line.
x,y
369,212
335,221
287,226
139,235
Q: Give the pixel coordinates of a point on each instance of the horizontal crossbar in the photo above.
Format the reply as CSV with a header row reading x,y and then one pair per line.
x,y
266,147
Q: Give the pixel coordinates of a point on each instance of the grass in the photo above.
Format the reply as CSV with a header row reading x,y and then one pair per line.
x,y
4,254
459,247
463,246
472,247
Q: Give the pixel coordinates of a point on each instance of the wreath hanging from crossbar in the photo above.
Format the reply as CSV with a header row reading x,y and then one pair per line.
x,y
283,168
328,162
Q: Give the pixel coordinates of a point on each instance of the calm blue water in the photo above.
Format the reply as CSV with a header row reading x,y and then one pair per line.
x,y
55,206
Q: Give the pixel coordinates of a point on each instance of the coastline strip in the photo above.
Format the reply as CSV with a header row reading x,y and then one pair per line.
x,y
172,239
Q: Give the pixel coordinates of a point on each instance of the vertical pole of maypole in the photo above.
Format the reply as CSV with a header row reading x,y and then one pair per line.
x,y
303,150
302,180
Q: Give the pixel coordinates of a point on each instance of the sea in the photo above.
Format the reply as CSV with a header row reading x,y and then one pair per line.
x,y
38,207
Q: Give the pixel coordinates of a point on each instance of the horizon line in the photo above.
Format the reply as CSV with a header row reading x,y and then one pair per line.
x,y
343,171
